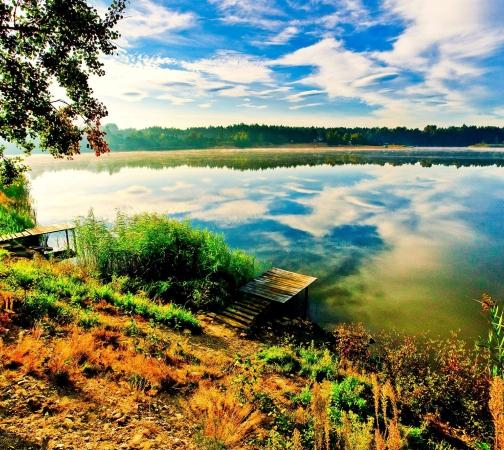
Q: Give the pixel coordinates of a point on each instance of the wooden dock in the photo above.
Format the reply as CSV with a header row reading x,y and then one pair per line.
x,y
276,286
22,244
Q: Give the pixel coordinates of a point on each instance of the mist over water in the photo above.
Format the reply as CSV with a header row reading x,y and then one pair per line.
x,y
405,247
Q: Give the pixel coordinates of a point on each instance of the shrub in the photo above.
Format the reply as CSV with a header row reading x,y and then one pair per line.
x,y
303,398
63,297
317,364
438,375
355,434
347,395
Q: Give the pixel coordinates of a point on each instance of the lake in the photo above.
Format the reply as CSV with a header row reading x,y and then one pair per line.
x,y
400,240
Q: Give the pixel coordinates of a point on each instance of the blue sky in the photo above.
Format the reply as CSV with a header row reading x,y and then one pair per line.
x,y
315,62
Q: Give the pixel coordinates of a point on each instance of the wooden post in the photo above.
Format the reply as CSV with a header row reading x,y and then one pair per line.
x,y
74,241
67,241
306,309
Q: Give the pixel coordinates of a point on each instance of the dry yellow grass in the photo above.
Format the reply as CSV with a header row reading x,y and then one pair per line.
x,y
4,200
496,406
319,411
222,417
29,352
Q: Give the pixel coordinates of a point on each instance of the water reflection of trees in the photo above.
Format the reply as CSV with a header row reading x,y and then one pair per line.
x,y
251,160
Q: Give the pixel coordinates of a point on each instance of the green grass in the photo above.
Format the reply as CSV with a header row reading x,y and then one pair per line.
x,y
281,358
43,292
168,259
16,213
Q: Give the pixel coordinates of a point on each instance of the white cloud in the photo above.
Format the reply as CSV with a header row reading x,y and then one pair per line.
x,y
446,43
300,96
136,79
251,12
284,36
308,105
146,18
233,67
347,12
174,100
247,104
337,68
235,91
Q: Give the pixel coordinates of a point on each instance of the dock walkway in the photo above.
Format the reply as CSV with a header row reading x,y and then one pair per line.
x,y
276,286
23,244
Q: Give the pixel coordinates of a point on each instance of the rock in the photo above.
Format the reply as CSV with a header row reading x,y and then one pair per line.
x,y
117,415
68,423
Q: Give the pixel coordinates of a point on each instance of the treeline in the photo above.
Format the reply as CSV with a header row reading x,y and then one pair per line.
x,y
159,138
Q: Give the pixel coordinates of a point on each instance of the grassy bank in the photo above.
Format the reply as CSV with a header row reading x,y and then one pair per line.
x,y
16,213
101,354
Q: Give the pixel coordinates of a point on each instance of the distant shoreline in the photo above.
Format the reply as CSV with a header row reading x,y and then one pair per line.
x,y
283,150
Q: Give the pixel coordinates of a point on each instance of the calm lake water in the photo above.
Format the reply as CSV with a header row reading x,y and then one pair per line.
x,y
394,246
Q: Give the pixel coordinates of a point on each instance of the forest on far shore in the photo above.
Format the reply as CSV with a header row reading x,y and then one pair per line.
x,y
160,138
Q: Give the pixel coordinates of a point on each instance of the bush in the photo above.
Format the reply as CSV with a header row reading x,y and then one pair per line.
x,y
318,364
347,395
166,258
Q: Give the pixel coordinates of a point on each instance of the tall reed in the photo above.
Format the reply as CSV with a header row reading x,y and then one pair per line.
x,y
167,258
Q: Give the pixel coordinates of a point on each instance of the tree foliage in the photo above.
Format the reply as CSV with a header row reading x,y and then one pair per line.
x,y
159,138
49,45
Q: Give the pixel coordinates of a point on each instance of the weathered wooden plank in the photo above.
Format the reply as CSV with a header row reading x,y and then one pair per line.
x,y
287,282
265,286
297,284
274,298
278,285
291,275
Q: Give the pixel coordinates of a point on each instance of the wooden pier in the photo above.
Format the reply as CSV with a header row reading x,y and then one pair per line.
x,y
276,286
34,240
